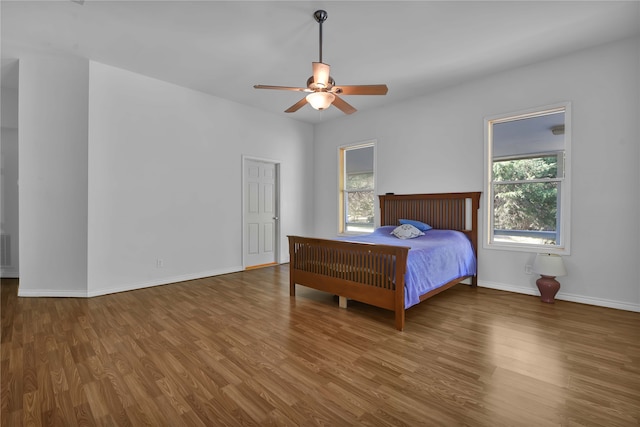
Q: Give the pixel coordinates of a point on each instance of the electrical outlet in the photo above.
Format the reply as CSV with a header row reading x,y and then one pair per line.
x,y
159,263
528,269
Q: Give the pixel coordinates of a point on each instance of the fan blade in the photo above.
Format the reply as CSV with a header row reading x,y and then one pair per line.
x,y
298,89
321,74
298,105
343,105
361,90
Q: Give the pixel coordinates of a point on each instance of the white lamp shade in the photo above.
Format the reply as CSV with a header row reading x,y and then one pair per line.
x,y
320,100
549,265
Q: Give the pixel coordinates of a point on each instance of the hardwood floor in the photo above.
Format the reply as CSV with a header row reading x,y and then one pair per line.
x,y
237,350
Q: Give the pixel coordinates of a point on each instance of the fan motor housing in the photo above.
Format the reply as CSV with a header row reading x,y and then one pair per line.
x,y
312,84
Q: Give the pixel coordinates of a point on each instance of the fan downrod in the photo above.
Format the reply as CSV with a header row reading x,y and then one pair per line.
x,y
321,16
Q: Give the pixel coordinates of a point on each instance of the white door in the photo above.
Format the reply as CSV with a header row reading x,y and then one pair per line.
x,y
260,212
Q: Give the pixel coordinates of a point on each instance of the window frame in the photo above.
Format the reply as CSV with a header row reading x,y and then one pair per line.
x,y
564,182
342,191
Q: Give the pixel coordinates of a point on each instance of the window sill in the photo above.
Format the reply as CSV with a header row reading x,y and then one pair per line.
x,y
354,233
527,248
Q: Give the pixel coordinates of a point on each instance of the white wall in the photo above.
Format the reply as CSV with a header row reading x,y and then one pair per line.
x,y
165,179
9,107
118,170
435,144
9,202
106,192
53,117
9,180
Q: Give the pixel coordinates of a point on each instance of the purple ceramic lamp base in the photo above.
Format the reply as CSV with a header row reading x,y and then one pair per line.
x,y
548,287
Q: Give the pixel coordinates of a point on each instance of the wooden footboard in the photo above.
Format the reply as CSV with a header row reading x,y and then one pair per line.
x,y
372,274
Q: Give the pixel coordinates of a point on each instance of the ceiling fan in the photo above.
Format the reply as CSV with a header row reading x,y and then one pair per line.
x,y
322,89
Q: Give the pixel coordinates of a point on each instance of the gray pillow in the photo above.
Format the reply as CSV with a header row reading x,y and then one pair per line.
x,y
406,231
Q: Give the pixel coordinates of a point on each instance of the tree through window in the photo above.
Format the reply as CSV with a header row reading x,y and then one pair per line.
x,y
357,189
526,199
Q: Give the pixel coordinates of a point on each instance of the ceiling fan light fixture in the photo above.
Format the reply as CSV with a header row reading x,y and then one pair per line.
x,y
320,100
322,87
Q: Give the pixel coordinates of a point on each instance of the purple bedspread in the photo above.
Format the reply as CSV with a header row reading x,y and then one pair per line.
x,y
434,259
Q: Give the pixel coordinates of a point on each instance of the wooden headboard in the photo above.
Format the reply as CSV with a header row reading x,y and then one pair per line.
x,y
448,211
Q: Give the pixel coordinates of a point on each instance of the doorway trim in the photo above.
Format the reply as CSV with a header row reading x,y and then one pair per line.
x,y
278,221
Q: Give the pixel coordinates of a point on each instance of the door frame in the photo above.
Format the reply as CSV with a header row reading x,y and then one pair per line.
x,y
277,245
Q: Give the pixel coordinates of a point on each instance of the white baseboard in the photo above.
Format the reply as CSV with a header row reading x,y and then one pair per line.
x,y
54,293
600,302
122,288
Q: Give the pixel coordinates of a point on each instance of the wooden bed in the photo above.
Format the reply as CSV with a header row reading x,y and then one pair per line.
x,y
369,272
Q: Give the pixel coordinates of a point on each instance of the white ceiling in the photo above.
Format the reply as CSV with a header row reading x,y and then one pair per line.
x,y
224,48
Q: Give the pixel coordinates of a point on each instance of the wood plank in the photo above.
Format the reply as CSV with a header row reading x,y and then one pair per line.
x,y
238,350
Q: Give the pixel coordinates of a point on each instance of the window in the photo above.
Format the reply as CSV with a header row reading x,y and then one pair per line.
x,y
356,202
527,176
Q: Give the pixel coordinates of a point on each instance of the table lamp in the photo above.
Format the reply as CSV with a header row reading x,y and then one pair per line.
x,y
548,266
